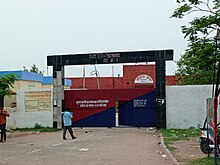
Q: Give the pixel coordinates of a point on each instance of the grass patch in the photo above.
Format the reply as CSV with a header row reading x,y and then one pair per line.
x,y
36,128
203,161
172,135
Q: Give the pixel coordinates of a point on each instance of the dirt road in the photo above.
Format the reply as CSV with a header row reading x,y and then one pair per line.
x,y
93,146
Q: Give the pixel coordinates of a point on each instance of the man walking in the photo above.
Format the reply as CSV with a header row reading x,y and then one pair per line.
x,y
3,115
67,123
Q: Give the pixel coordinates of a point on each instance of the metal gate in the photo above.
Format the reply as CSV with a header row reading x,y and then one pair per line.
x,y
138,112
97,108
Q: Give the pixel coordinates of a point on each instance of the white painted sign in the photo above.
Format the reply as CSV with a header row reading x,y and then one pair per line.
x,y
143,79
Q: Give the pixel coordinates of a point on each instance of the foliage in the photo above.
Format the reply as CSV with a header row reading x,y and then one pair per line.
x,y
200,61
33,68
171,135
6,83
36,128
203,161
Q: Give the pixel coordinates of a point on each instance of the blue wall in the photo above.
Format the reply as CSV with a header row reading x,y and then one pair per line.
x,y
31,76
49,80
24,75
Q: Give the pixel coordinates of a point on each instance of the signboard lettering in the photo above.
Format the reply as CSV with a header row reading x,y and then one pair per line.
x,y
105,57
92,103
139,103
37,101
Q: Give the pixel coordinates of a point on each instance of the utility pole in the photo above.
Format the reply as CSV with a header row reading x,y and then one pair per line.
x,y
216,97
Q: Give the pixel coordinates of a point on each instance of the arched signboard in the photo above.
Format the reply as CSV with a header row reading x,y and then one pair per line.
x,y
143,79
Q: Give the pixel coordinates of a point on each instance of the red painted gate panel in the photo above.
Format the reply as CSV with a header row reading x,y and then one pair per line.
x,y
96,108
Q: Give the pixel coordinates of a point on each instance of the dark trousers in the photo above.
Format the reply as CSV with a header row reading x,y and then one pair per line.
x,y
3,132
69,128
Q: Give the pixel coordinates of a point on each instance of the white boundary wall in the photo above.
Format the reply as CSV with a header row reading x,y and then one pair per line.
x,y
186,105
21,119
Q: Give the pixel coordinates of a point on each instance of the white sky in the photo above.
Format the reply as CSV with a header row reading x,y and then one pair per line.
x,y
32,29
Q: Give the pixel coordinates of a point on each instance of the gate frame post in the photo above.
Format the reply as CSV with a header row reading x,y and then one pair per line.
x,y
58,92
161,89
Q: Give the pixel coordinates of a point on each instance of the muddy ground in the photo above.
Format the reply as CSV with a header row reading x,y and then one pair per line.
x,y
93,146
187,150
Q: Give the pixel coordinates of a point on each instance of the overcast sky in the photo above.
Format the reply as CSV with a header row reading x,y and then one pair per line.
x,y
32,29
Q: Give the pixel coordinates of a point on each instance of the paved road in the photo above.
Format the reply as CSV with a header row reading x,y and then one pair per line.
x,y
94,146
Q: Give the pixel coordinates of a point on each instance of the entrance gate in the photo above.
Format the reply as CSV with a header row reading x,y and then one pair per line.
x,y
97,108
59,61
138,112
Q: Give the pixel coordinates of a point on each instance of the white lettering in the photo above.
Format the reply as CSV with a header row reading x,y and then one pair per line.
x,y
139,103
92,103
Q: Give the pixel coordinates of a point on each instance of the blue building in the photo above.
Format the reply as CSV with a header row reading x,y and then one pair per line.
x,y
30,81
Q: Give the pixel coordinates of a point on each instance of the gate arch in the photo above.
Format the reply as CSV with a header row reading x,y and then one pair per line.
x,y
59,61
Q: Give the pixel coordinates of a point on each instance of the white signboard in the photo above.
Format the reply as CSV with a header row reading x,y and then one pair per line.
x,y
143,79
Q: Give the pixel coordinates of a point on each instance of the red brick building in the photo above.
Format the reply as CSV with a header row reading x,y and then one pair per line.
x,y
134,76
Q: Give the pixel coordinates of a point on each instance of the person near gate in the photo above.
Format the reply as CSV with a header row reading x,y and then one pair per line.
x,y
3,115
67,123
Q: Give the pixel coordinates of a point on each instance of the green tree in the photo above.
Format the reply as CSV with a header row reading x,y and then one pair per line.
x,y
6,84
33,68
200,62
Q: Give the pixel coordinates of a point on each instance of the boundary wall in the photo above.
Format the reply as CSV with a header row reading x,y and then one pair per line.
x,y
186,107
32,107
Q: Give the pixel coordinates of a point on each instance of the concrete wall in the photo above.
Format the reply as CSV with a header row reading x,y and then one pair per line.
x,y
186,105
28,84
47,86
21,118
21,84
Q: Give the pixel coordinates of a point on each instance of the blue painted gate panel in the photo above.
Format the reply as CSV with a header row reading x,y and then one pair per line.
x,y
125,116
139,112
105,118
